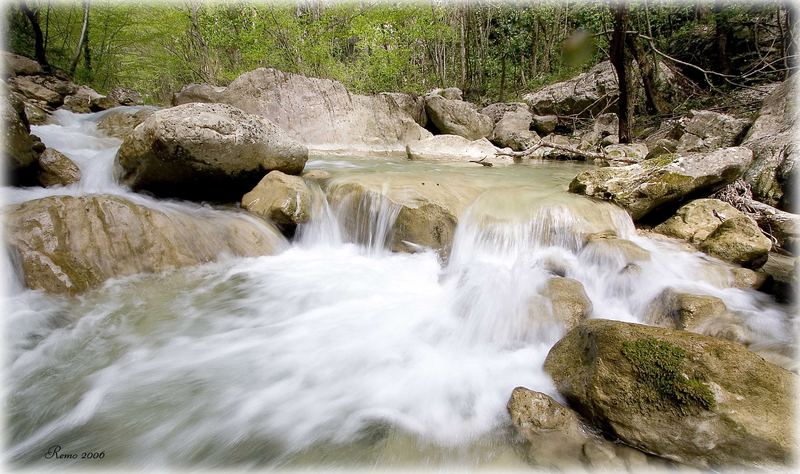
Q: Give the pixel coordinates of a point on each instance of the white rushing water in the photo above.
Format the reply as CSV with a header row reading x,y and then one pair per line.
x,y
335,351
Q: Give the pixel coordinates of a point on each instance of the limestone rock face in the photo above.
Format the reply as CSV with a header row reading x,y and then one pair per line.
x,y
772,140
412,105
455,117
545,124
57,169
627,152
81,101
695,399
705,130
640,188
321,114
700,222
67,244
281,198
205,151
30,88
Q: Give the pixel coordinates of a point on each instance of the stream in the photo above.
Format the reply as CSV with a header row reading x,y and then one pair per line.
x,y
336,351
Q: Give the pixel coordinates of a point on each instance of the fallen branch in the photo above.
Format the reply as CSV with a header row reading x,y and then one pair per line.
x,y
543,144
481,162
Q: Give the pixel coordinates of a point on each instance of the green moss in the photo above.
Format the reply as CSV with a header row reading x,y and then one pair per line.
x,y
662,160
660,369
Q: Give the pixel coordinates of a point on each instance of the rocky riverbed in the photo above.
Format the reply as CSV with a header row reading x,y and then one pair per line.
x,y
341,281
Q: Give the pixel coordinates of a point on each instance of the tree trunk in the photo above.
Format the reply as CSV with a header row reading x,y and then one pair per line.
x,y
622,65
38,38
721,32
656,104
81,39
503,78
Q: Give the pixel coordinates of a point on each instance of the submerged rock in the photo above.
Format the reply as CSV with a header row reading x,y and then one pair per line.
x,y
66,244
686,397
281,198
720,229
771,138
56,169
205,151
456,117
643,187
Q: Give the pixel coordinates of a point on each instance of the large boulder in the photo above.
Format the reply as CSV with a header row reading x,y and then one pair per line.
x,y
513,130
705,130
16,65
569,304
119,123
694,399
701,314
454,148
456,117
81,101
664,181
67,244
604,126
205,93
125,96
594,91
205,151
282,198
322,114
772,140
413,105
498,109
588,93
553,436
719,229
56,169
19,146
31,89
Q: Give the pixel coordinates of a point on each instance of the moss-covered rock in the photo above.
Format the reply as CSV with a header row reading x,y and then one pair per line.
x,y
666,180
720,229
690,398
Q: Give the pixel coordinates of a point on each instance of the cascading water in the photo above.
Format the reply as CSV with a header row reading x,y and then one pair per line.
x,y
335,351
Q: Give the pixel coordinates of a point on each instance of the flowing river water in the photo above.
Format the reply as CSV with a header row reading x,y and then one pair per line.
x,y
335,351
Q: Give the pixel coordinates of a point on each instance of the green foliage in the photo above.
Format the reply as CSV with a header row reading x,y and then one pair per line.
x,y
489,49
660,368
